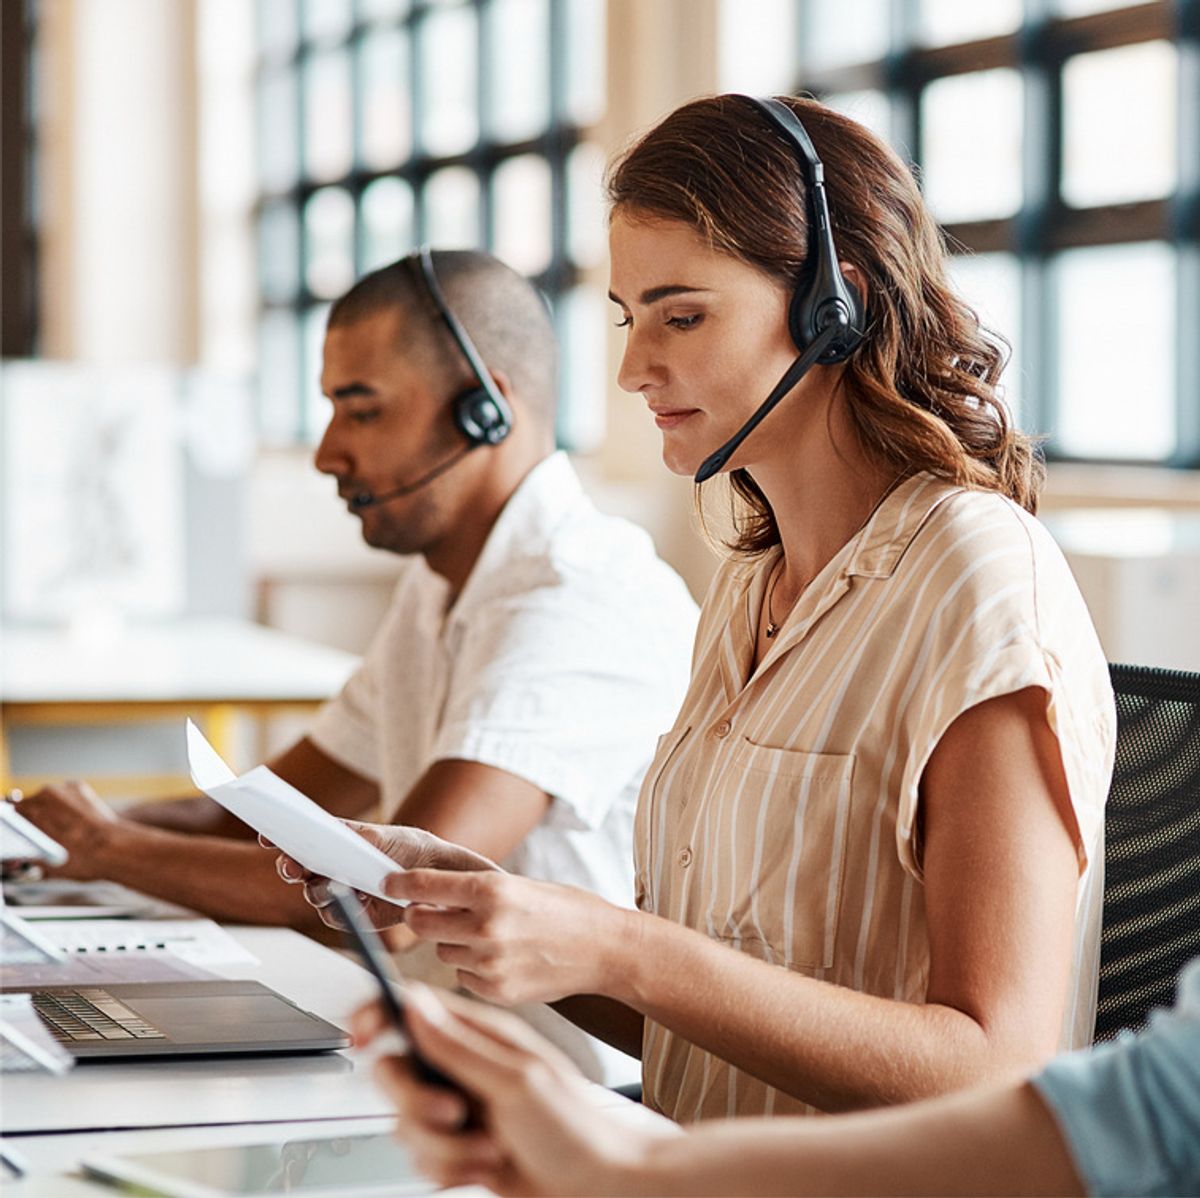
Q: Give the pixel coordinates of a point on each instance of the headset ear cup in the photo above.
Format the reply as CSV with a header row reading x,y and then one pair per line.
x,y
810,312
478,417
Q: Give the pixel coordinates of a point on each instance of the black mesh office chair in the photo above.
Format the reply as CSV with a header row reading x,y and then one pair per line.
x,y
1152,846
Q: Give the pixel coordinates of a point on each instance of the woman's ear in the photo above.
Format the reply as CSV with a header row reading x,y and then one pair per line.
x,y
855,276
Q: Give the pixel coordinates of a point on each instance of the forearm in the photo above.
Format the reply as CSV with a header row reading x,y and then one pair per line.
x,y
196,815
224,879
606,1019
826,1045
996,1141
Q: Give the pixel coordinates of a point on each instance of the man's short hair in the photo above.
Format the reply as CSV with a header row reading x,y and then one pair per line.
x,y
503,312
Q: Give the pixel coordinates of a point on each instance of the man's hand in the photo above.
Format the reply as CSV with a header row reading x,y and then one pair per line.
x,y
74,815
410,848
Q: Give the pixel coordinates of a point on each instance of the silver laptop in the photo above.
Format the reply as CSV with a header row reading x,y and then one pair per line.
x,y
172,1019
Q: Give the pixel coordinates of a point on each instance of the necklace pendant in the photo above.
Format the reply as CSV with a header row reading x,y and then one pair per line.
x,y
772,629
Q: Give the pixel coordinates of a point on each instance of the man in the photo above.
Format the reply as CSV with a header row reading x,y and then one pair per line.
x,y
533,650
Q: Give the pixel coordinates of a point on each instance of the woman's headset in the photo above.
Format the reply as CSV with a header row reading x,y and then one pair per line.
x,y
823,296
825,313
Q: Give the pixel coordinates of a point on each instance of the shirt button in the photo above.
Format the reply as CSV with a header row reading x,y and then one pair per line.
x,y
685,858
722,729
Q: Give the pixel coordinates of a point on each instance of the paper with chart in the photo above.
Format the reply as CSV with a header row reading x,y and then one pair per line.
x,y
307,833
199,941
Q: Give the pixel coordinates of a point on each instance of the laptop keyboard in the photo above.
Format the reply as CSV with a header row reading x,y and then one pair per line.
x,y
91,1014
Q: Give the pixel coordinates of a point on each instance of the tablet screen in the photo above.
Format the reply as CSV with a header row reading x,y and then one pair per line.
x,y
347,1165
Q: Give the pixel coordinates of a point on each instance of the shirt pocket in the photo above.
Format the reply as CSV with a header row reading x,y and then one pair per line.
x,y
791,821
662,785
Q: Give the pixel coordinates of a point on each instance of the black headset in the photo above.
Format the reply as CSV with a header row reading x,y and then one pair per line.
x,y
480,413
825,314
823,295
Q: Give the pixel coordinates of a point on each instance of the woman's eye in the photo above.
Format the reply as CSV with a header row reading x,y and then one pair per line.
x,y
625,321
364,417
685,322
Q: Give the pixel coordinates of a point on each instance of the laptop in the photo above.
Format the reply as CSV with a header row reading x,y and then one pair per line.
x,y
122,1020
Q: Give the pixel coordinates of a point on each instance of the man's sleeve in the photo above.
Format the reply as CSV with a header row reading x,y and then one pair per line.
x,y
1130,1111
568,693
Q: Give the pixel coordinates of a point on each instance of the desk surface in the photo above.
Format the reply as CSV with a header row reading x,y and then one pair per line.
x,y
191,660
219,1090
54,1122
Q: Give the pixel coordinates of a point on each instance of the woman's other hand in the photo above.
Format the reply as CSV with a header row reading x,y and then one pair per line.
x,y
539,1129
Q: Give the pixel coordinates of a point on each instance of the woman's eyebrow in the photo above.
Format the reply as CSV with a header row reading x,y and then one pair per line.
x,y
654,294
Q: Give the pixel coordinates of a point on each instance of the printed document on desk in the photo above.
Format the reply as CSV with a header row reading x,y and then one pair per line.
x,y
197,941
278,811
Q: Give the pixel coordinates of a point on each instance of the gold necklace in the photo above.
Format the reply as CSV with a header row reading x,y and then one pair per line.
x,y
772,627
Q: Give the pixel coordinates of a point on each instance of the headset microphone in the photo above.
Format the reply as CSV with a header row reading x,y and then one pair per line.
x,y
365,499
794,373
825,313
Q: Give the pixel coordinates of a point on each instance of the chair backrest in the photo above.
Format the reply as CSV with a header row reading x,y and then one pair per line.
x,y
1152,846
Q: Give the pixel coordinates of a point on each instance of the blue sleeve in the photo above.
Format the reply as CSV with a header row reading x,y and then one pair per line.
x,y
1130,1111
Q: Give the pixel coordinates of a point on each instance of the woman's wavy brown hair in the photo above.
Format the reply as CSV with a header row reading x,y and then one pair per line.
x,y
923,382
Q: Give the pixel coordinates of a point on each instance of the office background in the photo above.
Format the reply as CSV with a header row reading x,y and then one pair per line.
x,y
188,183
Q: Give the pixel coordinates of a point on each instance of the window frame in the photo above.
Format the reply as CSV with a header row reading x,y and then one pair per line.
x,y
18,229
554,144
1044,225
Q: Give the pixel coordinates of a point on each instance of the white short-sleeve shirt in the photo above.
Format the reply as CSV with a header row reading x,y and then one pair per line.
x,y
562,659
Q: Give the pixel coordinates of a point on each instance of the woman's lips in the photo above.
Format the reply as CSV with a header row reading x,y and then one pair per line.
x,y
671,418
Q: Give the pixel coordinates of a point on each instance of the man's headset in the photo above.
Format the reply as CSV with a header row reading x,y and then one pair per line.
x,y
480,413
825,314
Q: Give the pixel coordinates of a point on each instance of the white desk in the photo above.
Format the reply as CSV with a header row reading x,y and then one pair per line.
x,y
219,1090
210,669
53,1122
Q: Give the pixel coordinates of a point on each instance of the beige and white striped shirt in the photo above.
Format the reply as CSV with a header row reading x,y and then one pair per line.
x,y
777,816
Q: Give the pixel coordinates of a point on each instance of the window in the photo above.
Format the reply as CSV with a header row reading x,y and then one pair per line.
x,y
1058,144
384,124
18,240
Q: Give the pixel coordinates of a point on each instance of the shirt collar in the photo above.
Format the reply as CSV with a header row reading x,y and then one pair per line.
x,y
895,522
544,497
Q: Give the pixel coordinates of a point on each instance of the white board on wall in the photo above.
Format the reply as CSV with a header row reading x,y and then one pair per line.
x,y
91,484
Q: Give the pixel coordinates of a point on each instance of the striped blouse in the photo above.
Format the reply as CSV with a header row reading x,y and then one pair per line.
x,y
777,816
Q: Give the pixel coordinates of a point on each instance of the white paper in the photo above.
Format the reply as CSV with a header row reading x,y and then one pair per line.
x,y
292,821
198,941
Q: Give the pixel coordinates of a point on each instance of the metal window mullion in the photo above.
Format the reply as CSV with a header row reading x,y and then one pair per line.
x,y
302,191
558,147
416,80
1041,167
482,162
356,183
902,86
1186,238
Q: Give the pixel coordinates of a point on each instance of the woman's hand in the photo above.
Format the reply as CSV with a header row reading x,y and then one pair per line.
x,y
410,848
540,1130
516,940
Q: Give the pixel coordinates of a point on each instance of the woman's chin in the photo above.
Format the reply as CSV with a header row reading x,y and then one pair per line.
x,y
681,459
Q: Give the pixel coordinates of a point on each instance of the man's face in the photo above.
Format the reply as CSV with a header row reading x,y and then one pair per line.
x,y
390,424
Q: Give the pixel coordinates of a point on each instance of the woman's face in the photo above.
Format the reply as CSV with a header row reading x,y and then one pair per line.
x,y
706,337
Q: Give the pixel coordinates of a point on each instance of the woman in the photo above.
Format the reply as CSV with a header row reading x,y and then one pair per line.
x,y
865,851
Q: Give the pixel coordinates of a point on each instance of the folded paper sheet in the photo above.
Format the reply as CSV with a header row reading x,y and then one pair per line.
x,y
289,819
